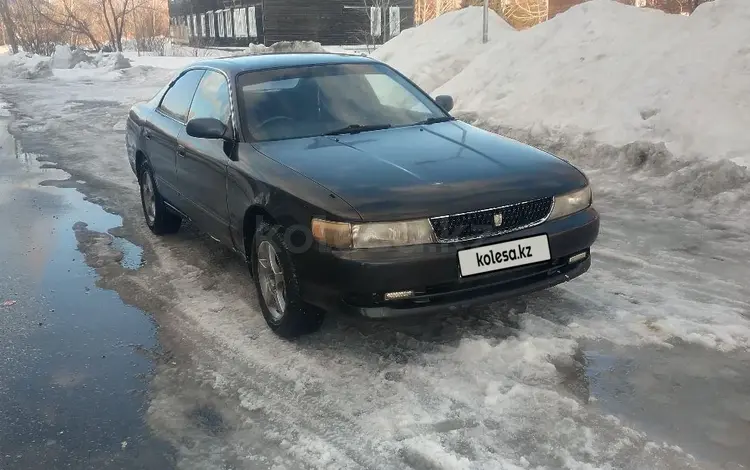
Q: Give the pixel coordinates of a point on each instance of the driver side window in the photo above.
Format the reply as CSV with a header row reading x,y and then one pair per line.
x,y
212,99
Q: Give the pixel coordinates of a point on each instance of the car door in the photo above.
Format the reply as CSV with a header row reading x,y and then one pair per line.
x,y
202,163
163,130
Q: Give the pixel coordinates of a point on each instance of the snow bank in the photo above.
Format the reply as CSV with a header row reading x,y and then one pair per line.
x,y
283,46
437,50
25,65
65,57
115,61
64,61
177,50
623,74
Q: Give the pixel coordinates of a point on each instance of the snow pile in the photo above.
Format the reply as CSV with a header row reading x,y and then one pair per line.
x,y
114,61
283,46
65,57
623,74
62,57
27,66
437,50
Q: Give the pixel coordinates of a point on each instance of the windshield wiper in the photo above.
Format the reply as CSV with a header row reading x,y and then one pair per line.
x,y
354,128
435,120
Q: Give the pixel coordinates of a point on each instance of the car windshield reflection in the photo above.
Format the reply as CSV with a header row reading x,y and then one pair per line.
x,y
329,99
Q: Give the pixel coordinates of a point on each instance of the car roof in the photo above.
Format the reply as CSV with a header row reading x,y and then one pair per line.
x,y
234,65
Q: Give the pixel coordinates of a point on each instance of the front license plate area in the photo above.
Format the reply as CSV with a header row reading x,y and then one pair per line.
x,y
504,255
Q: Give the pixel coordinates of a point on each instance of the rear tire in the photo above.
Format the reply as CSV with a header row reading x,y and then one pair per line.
x,y
277,285
159,218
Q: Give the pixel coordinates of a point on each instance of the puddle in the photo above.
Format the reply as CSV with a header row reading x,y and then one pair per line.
x,y
74,383
96,218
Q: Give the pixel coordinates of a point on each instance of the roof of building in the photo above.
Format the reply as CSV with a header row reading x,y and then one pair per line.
x,y
238,64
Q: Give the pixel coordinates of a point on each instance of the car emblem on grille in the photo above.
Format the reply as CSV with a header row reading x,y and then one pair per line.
x,y
497,219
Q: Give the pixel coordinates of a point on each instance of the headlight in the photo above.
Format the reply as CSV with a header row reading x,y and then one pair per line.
x,y
373,235
571,203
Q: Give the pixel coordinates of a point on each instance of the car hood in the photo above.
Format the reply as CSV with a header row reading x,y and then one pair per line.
x,y
423,171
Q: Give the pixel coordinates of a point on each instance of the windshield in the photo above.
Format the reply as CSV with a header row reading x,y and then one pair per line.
x,y
317,100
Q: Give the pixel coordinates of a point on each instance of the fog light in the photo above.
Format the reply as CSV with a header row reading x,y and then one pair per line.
x,y
403,294
577,258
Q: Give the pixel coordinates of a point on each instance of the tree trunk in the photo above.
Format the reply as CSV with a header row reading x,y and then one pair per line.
x,y
109,25
10,27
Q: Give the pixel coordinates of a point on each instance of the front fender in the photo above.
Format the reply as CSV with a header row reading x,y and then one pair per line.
x,y
255,181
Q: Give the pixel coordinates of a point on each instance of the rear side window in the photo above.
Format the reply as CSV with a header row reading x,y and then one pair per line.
x,y
176,102
212,98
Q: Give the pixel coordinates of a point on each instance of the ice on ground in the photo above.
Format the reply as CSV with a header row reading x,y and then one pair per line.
x,y
437,50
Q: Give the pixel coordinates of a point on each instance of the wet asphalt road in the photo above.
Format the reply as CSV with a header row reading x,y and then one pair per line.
x,y
75,361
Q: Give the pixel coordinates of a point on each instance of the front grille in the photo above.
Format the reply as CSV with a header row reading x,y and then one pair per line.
x,y
480,224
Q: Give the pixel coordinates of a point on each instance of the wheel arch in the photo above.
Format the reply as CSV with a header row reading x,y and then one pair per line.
x,y
140,159
253,217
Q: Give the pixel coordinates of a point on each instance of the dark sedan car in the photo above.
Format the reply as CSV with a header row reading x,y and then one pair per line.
x,y
346,187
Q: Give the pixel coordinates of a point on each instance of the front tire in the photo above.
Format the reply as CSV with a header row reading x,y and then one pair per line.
x,y
159,218
278,287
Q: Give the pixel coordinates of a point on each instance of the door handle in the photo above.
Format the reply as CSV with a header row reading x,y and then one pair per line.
x,y
180,150
146,133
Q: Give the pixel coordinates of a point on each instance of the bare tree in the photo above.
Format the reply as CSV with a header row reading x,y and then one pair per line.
x,y
9,27
518,13
74,17
425,10
149,25
115,12
525,13
33,33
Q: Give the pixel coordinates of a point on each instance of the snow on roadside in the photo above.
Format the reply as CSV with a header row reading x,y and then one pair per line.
x,y
26,66
622,74
437,50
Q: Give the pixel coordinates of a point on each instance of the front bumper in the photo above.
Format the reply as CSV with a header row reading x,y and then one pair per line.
x,y
355,281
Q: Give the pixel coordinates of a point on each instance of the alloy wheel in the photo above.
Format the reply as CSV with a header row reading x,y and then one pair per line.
x,y
149,198
271,279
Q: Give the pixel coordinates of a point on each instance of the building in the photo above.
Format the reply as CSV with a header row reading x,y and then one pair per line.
x,y
523,14
212,23
684,7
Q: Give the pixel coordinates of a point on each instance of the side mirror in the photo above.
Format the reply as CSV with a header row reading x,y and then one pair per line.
x,y
445,102
207,128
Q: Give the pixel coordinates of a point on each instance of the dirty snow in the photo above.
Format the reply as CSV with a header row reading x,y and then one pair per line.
x,y
26,66
66,58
